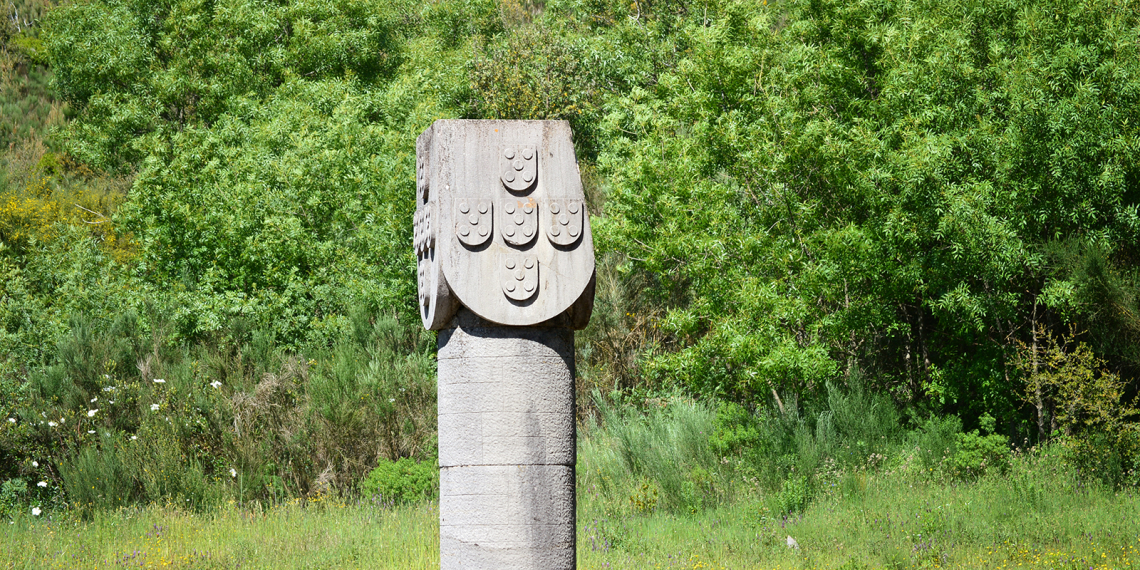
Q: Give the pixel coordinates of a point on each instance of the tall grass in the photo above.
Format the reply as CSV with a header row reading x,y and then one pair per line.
x,y
657,459
318,533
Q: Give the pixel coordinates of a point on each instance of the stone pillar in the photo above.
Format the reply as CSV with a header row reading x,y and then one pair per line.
x,y
506,274
506,445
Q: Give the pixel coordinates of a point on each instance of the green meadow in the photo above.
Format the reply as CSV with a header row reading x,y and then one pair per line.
x,y
1038,515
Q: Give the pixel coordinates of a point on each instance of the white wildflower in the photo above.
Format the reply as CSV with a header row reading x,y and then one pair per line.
x,y
35,464
233,472
91,431
42,484
112,402
159,381
216,384
134,437
11,420
95,399
52,424
91,413
154,407
391,400
36,511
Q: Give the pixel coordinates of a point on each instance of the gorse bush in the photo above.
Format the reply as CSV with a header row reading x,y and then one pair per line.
x,y
134,417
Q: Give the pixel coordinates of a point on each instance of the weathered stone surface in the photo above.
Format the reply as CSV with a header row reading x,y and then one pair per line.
x,y
507,517
506,444
489,192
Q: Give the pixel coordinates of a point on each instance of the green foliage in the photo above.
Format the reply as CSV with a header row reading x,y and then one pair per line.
x,y
402,481
1086,402
659,459
936,441
980,454
13,493
816,184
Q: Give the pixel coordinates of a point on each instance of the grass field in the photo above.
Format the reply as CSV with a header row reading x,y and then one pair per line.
x,y
1035,516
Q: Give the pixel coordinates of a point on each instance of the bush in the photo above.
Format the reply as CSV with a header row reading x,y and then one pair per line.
x,y
936,440
979,454
402,481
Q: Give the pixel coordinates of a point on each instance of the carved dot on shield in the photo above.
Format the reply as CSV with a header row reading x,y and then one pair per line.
x,y
474,219
554,231
573,207
518,219
529,263
510,287
528,208
510,209
573,232
562,219
554,208
510,264
464,208
482,208
528,286
510,232
519,275
510,177
464,232
527,153
528,232
518,165
527,177
509,153
483,231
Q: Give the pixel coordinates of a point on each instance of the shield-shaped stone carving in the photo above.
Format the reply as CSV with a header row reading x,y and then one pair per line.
x,y
423,236
519,166
422,178
565,221
519,276
473,222
518,220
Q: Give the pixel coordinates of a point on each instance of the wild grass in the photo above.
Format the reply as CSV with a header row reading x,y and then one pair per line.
x,y
321,533
1037,517
897,514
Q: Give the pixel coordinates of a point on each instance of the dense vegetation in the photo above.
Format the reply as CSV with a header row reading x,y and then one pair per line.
x,y
855,229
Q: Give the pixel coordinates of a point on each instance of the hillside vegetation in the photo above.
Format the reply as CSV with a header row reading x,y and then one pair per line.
x,y
848,235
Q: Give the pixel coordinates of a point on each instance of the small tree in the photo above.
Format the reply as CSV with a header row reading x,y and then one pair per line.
x,y
1088,403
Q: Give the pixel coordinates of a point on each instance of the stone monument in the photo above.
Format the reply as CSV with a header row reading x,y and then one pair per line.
x,y
506,274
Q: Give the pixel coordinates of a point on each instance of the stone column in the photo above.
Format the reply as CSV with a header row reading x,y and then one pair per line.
x,y
506,274
506,445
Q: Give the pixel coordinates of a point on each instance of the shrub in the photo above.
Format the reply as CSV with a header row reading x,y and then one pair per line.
x,y
936,440
402,481
13,493
978,454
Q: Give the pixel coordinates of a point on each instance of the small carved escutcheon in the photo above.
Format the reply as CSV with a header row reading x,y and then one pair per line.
x,y
519,165
518,220
565,225
519,276
422,178
423,237
473,222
